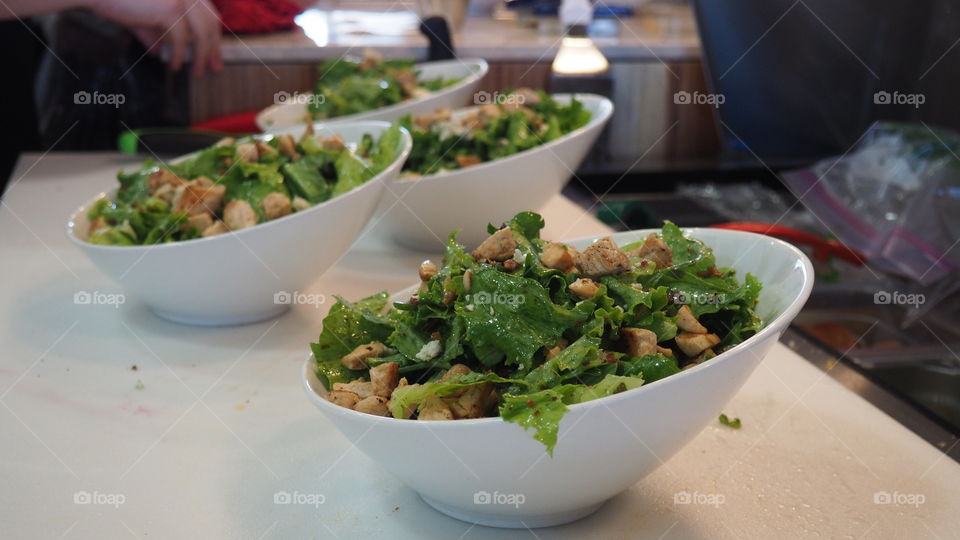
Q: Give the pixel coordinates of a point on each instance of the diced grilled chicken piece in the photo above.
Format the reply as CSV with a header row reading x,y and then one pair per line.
x,y
704,356
343,398
468,161
371,59
247,152
216,228
433,408
264,149
425,121
474,403
665,351
639,341
584,288
556,349
454,371
357,359
559,257
529,96
288,146
299,204
163,177
603,258
385,378
226,141
427,270
200,221
238,214
97,224
654,249
499,246
407,79
275,205
334,143
165,193
199,196
363,389
693,344
688,323
375,405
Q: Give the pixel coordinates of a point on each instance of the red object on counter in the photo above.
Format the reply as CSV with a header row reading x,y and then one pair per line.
x,y
257,16
241,123
822,248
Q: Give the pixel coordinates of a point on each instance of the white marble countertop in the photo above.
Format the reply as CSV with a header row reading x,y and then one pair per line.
x,y
212,423
662,35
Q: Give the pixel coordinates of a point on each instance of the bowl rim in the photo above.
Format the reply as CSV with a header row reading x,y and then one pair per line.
x,y
478,68
604,103
80,212
772,327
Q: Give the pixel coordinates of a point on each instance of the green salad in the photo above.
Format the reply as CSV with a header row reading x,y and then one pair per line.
x,y
518,121
523,328
235,184
349,87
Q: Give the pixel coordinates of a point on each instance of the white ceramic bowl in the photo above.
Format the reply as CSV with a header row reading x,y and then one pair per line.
x,y
468,199
242,277
465,467
291,113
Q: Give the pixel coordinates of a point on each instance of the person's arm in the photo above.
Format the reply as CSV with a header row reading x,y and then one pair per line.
x,y
177,23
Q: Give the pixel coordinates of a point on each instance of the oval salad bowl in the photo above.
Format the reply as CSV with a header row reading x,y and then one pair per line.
x,y
420,212
244,275
492,472
469,71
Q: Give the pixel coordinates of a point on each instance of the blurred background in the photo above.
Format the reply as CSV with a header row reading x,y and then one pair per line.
x,y
830,124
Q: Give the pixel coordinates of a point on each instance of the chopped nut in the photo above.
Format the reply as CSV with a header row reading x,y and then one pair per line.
x,y
639,341
584,288
693,344
603,258
497,247
688,323
357,359
427,270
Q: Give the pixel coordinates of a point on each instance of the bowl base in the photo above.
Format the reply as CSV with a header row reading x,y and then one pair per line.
x,y
193,320
515,520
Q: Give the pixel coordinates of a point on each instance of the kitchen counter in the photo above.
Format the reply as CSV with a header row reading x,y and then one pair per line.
x,y
119,423
664,35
